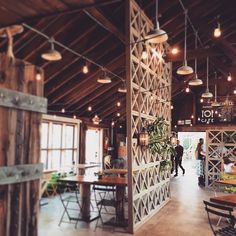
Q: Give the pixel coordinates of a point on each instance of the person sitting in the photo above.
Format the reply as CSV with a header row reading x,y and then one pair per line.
x,y
228,165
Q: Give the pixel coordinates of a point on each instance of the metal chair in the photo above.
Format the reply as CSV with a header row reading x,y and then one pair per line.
x,y
70,201
105,198
225,212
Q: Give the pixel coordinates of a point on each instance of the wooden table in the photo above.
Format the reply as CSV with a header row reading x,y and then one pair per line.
x,y
121,172
85,186
230,182
82,167
229,200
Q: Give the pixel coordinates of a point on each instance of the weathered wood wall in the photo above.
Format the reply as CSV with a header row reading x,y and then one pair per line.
x,y
148,97
19,144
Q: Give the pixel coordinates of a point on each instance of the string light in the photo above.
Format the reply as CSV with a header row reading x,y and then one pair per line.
x,y
229,77
118,104
201,100
74,116
235,91
63,110
217,31
171,107
118,114
174,51
85,69
89,108
192,116
187,89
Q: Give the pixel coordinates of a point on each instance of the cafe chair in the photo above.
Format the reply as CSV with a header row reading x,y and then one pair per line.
x,y
107,162
107,203
228,225
70,201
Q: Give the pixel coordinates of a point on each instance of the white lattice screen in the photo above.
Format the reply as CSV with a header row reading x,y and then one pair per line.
x,y
219,141
149,95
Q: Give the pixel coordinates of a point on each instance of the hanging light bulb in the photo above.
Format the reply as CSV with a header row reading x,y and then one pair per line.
x,y
122,88
157,35
85,69
192,116
229,77
187,89
118,104
52,54
118,114
74,116
89,108
171,107
38,75
144,55
207,93
235,91
174,51
96,120
201,100
112,123
195,81
217,31
185,69
215,103
104,79
63,110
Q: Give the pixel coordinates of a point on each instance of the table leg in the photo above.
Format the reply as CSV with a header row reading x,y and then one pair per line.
x,y
85,201
120,195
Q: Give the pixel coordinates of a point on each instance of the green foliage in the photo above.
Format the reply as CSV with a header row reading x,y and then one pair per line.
x,y
159,142
165,165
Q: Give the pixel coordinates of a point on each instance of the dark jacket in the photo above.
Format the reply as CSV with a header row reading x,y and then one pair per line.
x,y
179,151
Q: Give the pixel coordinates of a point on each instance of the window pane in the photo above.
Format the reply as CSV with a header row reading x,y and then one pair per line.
x,y
56,136
69,132
44,159
55,159
66,160
44,135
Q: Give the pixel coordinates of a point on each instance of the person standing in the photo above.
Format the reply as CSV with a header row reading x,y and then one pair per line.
x,y
200,155
178,158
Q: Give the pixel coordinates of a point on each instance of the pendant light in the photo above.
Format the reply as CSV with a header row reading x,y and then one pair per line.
x,y
96,120
217,31
104,79
157,35
52,54
195,81
122,88
185,69
215,103
207,94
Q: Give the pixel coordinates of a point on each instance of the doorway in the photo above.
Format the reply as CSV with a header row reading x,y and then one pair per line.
x,y
94,150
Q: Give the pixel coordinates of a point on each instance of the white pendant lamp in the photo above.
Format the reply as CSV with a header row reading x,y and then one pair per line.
x,y
157,35
122,88
52,54
104,79
195,81
185,69
207,93
215,103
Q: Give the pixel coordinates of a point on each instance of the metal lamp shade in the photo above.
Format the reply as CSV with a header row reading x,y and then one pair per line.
x,y
185,70
207,94
195,81
157,36
104,80
52,55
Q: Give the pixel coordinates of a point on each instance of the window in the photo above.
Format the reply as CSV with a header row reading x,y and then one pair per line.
x,y
59,142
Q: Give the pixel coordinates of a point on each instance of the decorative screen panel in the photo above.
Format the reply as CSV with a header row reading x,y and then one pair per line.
x,y
150,92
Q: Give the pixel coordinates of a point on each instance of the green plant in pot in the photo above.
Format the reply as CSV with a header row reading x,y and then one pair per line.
x,y
159,142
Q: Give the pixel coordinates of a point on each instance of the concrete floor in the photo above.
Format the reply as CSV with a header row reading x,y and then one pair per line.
x,y
183,215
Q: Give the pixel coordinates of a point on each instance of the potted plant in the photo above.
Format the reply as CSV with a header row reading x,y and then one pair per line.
x,y
159,142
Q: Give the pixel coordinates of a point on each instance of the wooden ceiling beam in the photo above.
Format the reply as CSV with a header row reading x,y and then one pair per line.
x,y
192,54
90,79
101,20
111,114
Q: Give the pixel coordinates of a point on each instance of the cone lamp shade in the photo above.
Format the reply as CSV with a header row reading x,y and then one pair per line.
x,y
207,93
104,79
122,88
157,35
52,54
185,69
195,81
215,103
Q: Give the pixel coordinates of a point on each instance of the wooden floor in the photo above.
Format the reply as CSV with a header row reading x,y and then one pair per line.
x,y
184,215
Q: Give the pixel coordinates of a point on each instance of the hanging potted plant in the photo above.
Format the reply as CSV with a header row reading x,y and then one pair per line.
x,y
159,142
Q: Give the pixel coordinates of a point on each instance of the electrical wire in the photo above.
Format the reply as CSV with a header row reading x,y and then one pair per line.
x,y
71,50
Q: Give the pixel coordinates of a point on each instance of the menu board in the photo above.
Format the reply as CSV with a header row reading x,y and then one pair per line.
x,y
225,113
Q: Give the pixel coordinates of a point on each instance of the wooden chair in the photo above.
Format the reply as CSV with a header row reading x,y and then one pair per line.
x,y
107,162
225,212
